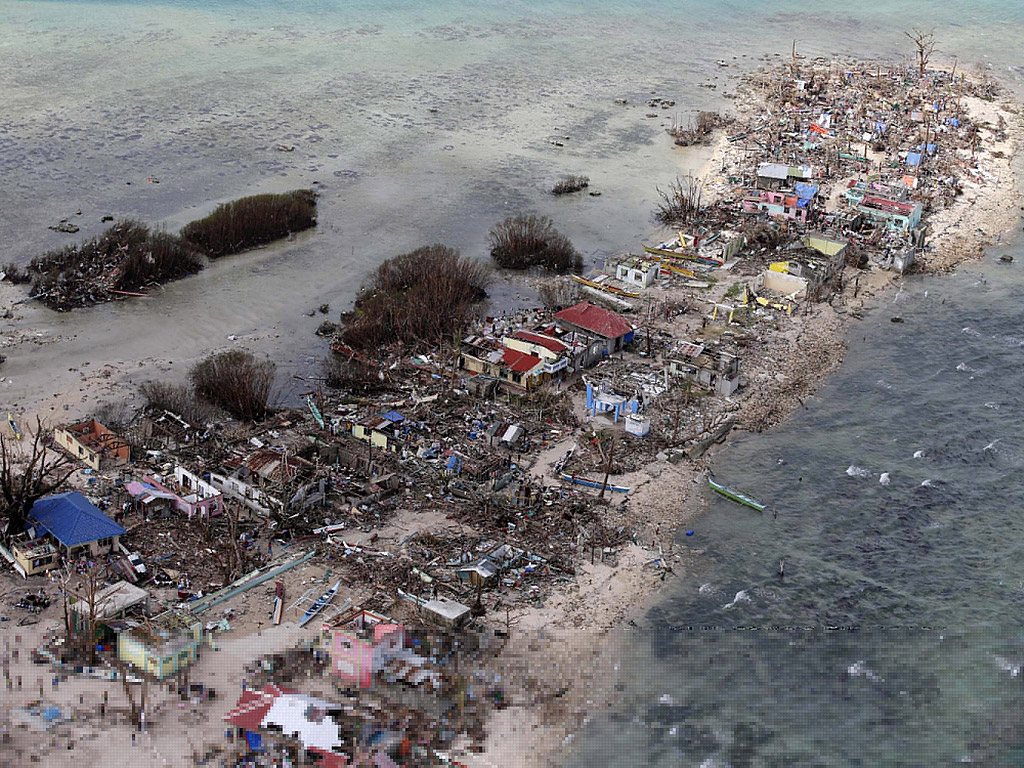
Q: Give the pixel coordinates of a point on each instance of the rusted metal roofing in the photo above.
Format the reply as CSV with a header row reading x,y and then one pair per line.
x,y
596,320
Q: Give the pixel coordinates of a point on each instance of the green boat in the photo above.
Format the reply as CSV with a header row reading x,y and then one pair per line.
x,y
739,498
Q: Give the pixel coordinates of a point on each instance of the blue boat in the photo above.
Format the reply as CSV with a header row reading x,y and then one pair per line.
x,y
322,602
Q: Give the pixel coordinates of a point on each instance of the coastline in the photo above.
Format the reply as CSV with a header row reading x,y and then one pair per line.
x,y
798,362
581,627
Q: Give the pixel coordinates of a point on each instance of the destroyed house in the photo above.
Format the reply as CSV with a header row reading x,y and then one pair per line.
x,y
890,213
310,722
611,331
75,523
93,444
110,603
713,369
480,355
857,190
362,643
160,649
31,557
779,205
779,176
185,492
553,352
638,271
387,431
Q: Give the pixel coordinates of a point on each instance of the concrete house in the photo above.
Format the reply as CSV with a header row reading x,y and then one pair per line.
x,y
713,369
637,271
183,491
93,444
75,523
30,558
890,213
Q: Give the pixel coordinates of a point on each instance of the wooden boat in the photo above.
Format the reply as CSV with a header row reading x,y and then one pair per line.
x,y
667,250
14,427
739,498
322,602
594,483
278,603
607,288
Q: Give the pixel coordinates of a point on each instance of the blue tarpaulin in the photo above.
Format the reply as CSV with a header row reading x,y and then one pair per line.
x,y
804,190
254,740
913,158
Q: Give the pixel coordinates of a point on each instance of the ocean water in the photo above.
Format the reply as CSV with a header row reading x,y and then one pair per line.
x,y
418,122
895,637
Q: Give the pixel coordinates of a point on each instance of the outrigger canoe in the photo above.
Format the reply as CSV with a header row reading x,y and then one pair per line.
x,y
739,498
322,602
14,427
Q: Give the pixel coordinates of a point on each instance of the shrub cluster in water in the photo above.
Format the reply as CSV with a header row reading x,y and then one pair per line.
x,y
125,257
420,296
251,221
569,184
129,255
521,242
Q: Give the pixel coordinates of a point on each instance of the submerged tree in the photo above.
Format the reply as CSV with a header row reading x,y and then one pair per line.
x,y
26,477
521,242
681,202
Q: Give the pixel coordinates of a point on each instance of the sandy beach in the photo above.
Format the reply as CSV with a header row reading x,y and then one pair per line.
x,y
561,658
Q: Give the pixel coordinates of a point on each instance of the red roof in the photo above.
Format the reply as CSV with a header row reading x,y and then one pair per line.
x,y
519,362
596,320
252,706
543,341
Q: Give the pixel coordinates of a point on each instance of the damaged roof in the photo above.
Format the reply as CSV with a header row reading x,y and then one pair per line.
x,y
596,320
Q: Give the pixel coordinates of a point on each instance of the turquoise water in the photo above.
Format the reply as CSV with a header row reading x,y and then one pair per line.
x,y
424,122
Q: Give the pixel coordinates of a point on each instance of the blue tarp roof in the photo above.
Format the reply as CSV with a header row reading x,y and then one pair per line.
x,y
804,190
72,519
913,158
393,416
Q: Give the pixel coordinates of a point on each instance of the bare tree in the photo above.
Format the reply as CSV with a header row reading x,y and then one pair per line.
x,y
45,470
924,42
88,594
681,202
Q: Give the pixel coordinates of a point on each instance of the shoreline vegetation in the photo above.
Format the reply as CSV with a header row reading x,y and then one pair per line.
x,y
470,449
129,257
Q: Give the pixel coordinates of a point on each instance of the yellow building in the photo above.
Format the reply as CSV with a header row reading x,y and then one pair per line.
x,y
161,651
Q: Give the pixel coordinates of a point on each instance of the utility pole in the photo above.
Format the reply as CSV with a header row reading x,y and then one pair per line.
x,y
607,469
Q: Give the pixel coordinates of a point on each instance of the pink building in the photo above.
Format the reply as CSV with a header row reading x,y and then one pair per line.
x,y
362,643
777,205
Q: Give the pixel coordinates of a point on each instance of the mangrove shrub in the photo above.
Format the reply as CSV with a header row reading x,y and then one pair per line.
x,y
252,221
521,242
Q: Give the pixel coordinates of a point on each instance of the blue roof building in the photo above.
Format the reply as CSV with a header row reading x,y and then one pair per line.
x,y
75,522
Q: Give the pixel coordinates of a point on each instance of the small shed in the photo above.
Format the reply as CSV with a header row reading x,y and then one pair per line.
x,y
446,612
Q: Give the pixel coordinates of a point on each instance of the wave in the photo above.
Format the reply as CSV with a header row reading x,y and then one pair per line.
x,y
854,471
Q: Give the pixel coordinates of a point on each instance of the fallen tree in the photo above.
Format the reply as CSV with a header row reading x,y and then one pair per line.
x,y
124,258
